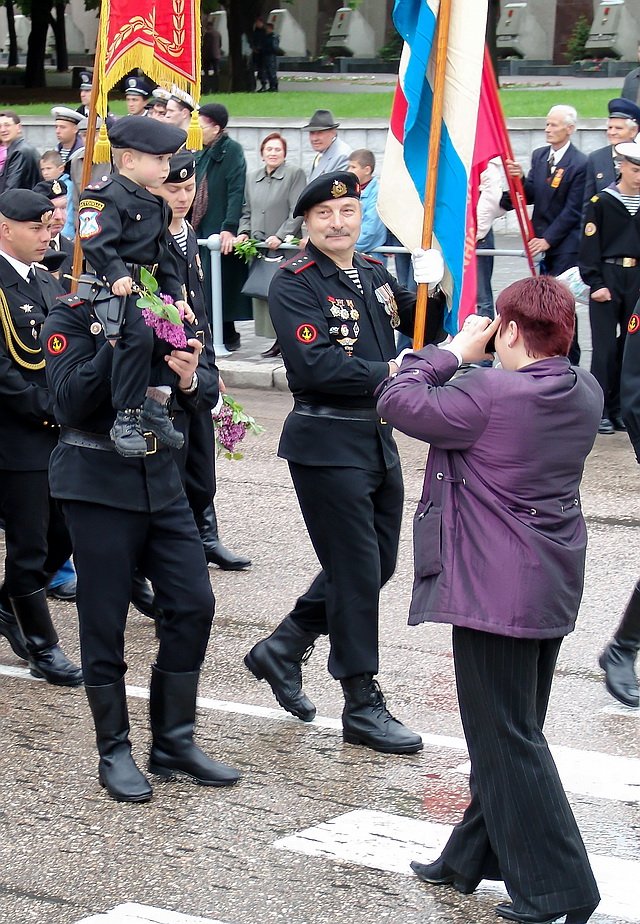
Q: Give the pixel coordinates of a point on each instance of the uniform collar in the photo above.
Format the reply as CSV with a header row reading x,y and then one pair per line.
x,y
326,264
132,187
22,269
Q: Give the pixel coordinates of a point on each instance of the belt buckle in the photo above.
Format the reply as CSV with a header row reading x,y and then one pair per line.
x,y
152,442
629,261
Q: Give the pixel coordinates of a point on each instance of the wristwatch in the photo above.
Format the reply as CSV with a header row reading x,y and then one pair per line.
x,y
192,387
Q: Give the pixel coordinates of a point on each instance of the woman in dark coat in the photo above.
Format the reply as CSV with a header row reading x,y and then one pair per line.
x,y
500,545
220,176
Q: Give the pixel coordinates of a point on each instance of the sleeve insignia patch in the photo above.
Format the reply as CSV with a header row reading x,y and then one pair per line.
x,y
88,224
56,344
306,333
590,229
634,324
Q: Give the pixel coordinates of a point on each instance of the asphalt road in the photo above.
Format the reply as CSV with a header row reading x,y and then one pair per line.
x,y
316,831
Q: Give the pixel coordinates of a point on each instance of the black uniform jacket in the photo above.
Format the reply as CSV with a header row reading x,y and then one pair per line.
x,y
609,231
120,222
601,172
78,371
27,425
336,343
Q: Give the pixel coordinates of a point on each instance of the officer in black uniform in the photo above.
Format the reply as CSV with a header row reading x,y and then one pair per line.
x,y
37,541
335,313
125,514
199,452
609,262
618,660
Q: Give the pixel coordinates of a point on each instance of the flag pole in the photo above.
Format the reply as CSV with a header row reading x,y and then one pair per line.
x,y
89,144
442,41
516,189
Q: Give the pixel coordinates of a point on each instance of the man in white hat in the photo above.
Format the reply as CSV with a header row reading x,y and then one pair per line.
x,y
180,106
66,126
331,153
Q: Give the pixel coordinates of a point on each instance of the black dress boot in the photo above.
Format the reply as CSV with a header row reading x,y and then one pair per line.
x,y
367,721
215,552
278,659
155,417
11,630
172,708
438,873
117,770
619,657
46,659
127,434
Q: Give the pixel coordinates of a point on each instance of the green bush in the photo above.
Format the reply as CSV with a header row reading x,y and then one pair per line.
x,y
578,40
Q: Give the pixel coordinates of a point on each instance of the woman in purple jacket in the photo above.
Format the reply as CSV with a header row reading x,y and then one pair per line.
x,y
499,545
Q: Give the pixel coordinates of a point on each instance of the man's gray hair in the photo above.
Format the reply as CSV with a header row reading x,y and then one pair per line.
x,y
568,113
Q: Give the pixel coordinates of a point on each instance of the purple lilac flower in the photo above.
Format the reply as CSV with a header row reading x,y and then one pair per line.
x,y
165,330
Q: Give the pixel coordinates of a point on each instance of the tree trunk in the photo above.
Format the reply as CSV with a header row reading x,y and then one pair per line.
x,y
57,23
36,48
11,29
241,15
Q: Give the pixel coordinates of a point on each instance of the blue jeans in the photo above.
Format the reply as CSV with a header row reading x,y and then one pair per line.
x,y
484,295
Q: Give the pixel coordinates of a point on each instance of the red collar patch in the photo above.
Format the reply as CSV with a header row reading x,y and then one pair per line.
x,y
307,333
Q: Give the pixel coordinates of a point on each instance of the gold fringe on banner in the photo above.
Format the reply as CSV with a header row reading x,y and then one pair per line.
x,y
102,148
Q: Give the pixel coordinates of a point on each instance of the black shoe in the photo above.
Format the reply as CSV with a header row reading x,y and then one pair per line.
x,y
577,916
438,873
233,343
215,552
606,427
11,631
46,659
618,664
278,659
155,417
619,424
66,591
117,770
367,721
127,434
142,596
272,352
172,710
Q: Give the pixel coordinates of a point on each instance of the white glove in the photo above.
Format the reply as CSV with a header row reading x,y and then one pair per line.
x,y
428,266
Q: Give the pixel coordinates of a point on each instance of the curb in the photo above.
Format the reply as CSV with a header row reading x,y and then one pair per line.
x,y
239,373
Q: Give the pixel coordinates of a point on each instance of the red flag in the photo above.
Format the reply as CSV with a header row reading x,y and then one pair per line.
x,y
491,141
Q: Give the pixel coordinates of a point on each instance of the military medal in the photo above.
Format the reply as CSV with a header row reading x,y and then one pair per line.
x,y
385,296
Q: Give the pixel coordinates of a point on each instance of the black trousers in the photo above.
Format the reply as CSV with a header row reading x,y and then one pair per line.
x,y
138,361
608,342
519,826
36,538
353,517
109,544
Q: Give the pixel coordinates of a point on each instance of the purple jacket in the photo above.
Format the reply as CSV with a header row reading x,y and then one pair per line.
x,y
499,536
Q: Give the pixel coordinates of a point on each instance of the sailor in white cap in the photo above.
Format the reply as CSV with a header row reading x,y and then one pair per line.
x,y
66,126
180,105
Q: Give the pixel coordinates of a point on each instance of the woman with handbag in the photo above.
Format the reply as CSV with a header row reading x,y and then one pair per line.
x,y
499,547
271,193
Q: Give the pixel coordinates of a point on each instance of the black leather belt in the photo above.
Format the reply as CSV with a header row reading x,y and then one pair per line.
x,y
335,413
134,269
622,261
84,440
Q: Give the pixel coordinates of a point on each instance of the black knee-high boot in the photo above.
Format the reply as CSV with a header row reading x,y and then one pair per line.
x,y
619,657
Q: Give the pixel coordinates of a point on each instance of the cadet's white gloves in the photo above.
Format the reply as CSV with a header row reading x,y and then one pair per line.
x,y
428,266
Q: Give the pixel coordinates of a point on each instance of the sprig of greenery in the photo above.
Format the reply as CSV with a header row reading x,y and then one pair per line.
x,y
247,250
148,287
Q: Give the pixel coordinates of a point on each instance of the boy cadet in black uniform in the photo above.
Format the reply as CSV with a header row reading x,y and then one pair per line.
x,y
125,514
609,262
37,541
335,313
123,226
199,459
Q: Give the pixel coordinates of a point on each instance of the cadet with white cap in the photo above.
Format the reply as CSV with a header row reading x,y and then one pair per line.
x,y
609,262
66,126
180,106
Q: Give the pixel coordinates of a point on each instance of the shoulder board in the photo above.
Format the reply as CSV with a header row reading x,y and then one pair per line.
x,y
299,263
595,198
100,185
372,259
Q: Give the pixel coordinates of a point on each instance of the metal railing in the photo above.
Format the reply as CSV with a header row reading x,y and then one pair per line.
x,y
212,243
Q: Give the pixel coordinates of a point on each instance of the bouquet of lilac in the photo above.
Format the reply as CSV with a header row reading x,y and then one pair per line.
x,y
231,426
159,312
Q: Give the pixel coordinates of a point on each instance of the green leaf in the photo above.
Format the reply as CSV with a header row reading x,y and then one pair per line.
x,y
147,280
147,301
172,314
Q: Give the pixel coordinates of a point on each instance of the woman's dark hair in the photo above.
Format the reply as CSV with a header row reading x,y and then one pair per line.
x,y
544,310
273,137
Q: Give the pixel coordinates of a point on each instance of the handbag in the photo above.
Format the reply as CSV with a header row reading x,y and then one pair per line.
x,y
262,271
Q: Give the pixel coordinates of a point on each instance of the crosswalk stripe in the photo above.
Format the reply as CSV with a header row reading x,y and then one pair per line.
x,y
131,913
586,773
382,841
